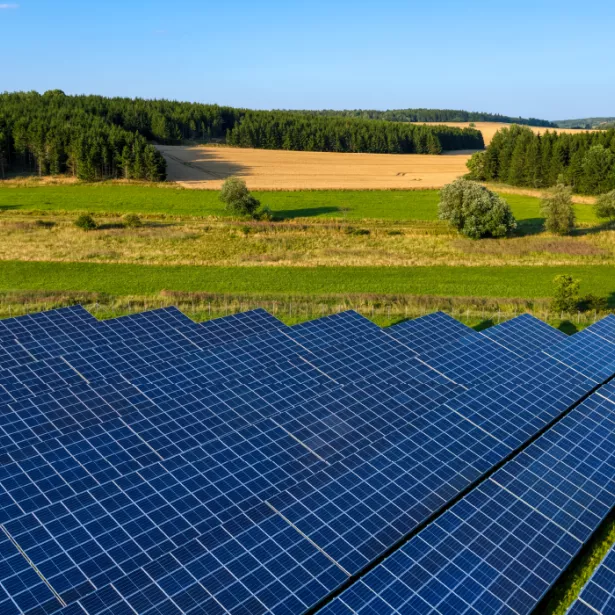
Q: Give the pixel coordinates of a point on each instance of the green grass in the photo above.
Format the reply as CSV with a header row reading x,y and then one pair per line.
x,y
153,200
120,279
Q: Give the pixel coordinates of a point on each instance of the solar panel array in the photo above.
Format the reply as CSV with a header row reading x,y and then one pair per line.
x,y
153,465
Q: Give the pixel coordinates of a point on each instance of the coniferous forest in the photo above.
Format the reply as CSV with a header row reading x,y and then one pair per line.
x,y
432,115
293,131
519,157
94,137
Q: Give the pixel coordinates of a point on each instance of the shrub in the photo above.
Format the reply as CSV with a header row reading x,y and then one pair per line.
x,y
265,214
566,294
475,211
592,303
605,206
86,223
131,221
558,210
237,198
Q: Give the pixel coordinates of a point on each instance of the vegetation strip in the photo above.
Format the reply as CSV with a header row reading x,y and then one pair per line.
x,y
120,279
168,200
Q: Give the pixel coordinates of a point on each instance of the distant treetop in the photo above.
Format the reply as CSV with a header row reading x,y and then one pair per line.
x,y
432,115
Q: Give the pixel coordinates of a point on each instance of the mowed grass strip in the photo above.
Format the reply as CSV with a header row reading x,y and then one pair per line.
x,y
122,279
166,200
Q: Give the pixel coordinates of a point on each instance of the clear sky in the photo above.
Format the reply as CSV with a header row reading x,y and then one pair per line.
x,y
552,59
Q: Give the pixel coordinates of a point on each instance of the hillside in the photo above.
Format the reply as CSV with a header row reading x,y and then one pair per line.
x,y
432,115
488,129
587,122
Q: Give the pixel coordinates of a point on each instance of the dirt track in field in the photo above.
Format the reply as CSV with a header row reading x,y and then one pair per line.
x,y
207,167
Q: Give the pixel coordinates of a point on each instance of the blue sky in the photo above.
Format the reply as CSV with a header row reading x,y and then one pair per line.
x,y
548,59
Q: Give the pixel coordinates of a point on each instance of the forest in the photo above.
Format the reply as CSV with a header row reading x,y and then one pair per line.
x,y
95,137
431,115
519,157
292,131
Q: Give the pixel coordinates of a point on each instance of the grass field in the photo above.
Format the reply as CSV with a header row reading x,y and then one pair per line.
x,y
168,200
122,279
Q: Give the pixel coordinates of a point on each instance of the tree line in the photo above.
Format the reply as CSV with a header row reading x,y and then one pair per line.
x,y
431,115
517,156
311,132
96,137
53,133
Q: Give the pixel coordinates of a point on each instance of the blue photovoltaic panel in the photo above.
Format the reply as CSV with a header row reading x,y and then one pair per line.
x,y
525,334
52,322
238,326
333,329
598,595
21,588
256,474
429,332
515,406
588,353
469,359
500,548
605,328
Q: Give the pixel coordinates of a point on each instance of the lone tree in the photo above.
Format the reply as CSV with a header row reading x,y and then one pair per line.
x,y
475,211
566,294
237,198
605,206
558,210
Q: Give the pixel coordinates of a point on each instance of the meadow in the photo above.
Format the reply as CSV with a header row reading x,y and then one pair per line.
x,y
117,198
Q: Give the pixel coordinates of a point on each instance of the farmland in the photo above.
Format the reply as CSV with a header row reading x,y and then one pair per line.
x,y
207,167
325,245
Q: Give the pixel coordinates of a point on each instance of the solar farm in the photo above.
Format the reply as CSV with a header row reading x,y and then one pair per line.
x,y
152,465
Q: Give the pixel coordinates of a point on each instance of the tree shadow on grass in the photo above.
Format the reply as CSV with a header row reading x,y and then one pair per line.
x,y
567,327
606,226
9,207
530,226
308,212
610,301
485,324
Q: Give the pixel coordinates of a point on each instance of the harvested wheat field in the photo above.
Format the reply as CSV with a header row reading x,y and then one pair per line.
x,y
490,128
207,167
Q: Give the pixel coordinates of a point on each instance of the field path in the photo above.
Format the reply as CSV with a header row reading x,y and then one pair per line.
x,y
207,167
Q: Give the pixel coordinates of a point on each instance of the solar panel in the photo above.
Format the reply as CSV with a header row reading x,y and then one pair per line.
x,y
598,595
428,332
500,548
238,326
605,328
525,334
21,588
469,359
52,322
588,353
256,474
333,329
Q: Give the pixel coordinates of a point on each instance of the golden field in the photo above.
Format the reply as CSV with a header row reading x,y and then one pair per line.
x,y
207,167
